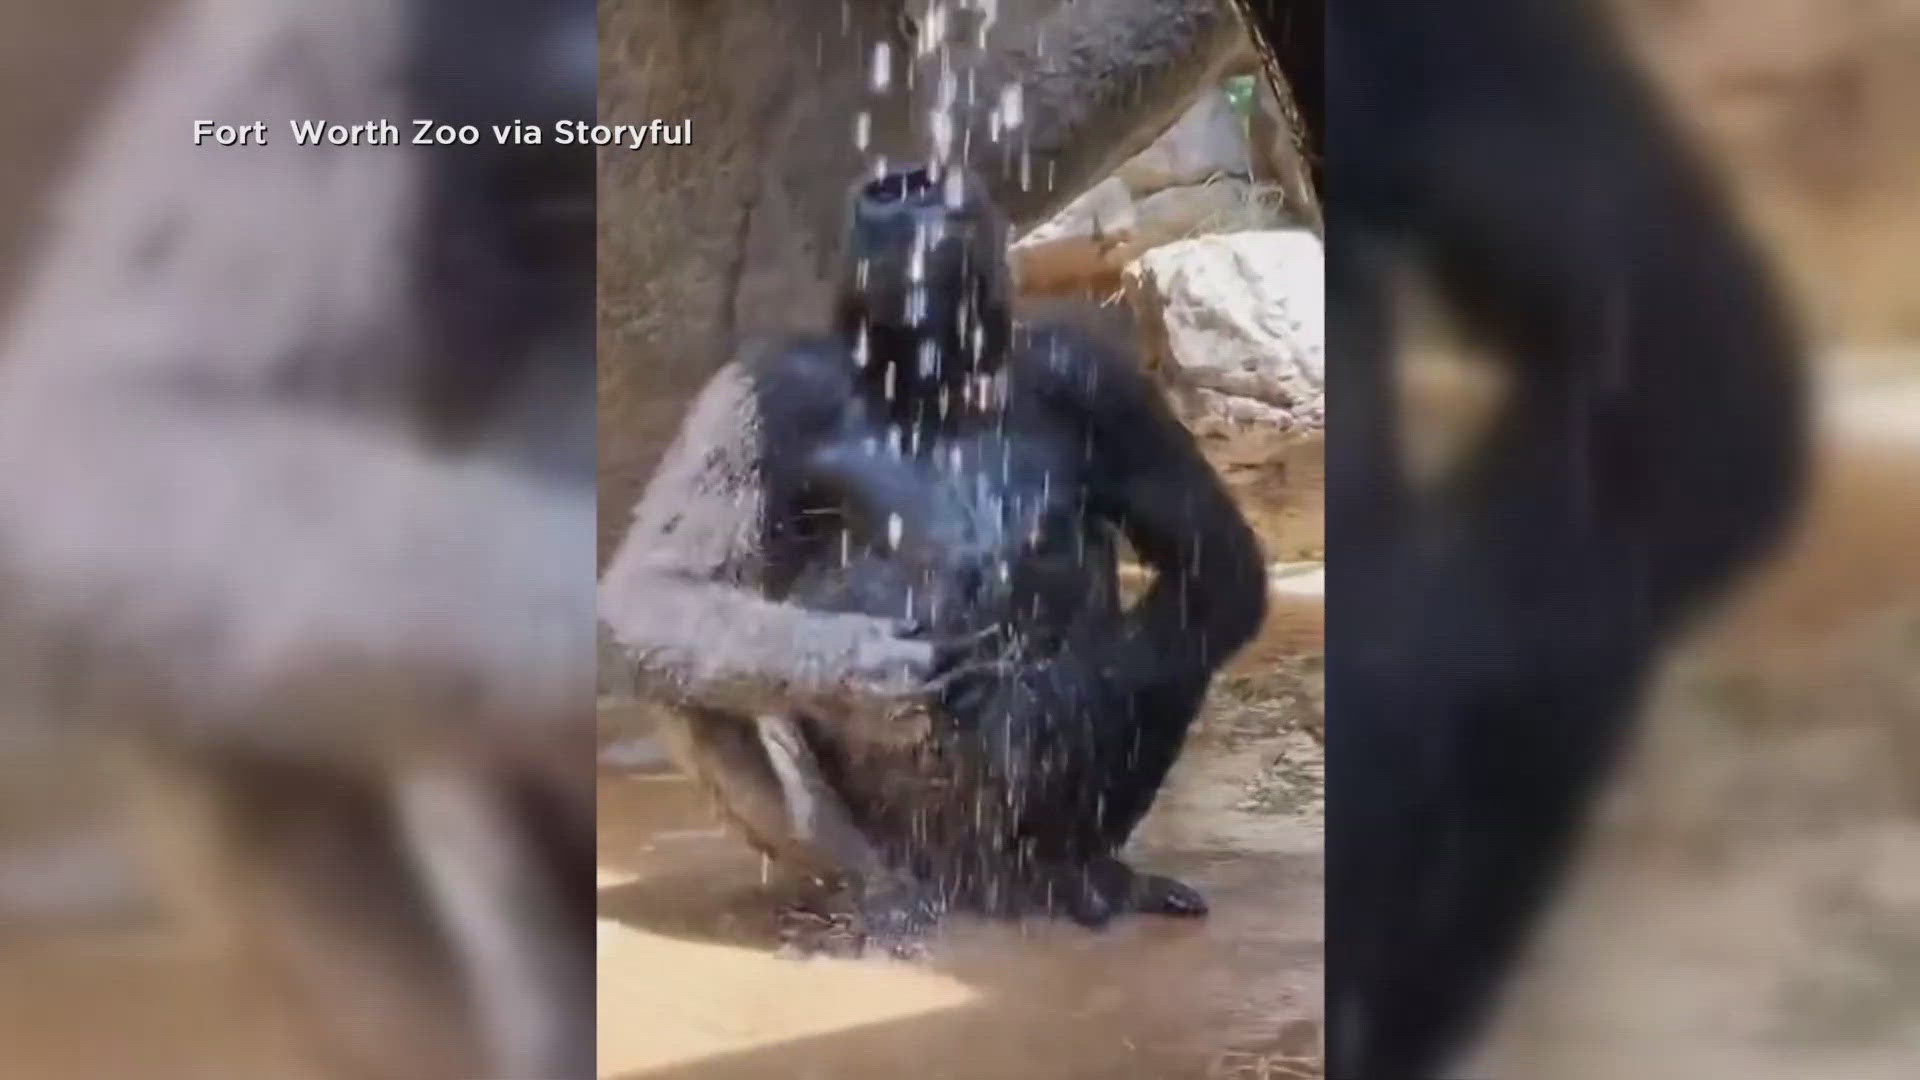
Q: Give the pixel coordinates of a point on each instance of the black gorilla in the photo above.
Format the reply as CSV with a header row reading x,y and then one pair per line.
x,y
955,486
1488,640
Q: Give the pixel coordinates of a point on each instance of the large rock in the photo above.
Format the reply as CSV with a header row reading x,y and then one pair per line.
x,y
1235,324
1222,205
1234,327
1209,140
1085,248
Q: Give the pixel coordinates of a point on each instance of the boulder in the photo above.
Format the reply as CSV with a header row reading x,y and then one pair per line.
x,y
1210,139
1235,326
1086,246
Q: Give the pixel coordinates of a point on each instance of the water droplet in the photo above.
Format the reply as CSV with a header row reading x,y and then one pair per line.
x,y
933,28
862,130
882,67
1012,106
895,527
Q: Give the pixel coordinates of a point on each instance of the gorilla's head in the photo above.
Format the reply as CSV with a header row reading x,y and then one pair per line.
x,y
926,272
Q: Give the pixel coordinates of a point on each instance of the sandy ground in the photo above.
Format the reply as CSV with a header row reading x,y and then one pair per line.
x,y
690,986
1750,906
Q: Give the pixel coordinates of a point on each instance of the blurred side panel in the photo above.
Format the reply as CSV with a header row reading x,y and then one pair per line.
x,y
296,544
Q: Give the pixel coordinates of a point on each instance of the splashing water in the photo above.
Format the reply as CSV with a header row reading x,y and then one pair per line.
x,y
1012,109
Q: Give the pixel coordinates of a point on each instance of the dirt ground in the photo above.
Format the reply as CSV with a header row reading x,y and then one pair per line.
x,y
690,985
1750,905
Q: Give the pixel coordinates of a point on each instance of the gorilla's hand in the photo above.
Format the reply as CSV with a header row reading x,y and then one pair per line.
x,y
901,668
889,671
1022,711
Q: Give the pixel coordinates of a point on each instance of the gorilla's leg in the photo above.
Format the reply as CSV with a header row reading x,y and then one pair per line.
x,y
307,869
500,858
764,777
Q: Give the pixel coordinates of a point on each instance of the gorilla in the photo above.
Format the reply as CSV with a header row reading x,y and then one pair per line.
x,y
297,503
731,244
1488,637
939,496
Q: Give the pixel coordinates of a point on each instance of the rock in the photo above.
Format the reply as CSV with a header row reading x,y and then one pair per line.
x,y
1210,139
1220,206
1071,249
1089,244
1234,328
1235,325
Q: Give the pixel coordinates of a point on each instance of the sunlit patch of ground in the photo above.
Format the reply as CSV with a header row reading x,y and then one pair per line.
x,y
691,986
1750,907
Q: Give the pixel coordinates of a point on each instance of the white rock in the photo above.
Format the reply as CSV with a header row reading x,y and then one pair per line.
x,y
1176,213
1094,237
1235,324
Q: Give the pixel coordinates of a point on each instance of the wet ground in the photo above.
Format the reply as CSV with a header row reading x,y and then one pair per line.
x,y
690,985
1750,905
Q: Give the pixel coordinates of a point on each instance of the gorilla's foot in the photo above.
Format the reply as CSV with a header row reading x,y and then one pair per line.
x,y
896,916
1127,889
809,931
892,917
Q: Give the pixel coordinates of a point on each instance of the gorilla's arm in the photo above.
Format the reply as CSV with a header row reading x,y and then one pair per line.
x,y
683,594
217,516
1099,80
1130,688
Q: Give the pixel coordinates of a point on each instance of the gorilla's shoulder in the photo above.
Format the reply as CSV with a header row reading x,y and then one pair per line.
x,y
800,374
1071,358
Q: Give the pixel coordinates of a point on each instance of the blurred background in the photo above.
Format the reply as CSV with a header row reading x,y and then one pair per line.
x,y
1751,904
204,473
98,975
